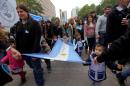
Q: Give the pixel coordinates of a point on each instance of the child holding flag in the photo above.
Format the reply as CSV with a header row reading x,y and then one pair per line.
x,y
15,65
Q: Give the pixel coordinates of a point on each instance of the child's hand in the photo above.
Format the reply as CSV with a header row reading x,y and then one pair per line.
x,y
95,60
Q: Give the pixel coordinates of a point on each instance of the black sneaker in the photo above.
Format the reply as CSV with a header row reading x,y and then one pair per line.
x,y
121,79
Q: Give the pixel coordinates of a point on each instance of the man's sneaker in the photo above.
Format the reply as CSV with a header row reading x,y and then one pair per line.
x,y
121,79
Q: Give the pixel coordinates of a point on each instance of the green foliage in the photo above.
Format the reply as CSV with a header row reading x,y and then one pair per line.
x,y
33,6
85,10
104,3
53,19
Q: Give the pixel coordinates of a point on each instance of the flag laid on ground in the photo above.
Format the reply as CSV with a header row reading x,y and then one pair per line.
x,y
8,13
61,51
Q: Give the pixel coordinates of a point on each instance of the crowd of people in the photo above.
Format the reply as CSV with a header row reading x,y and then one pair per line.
x,y
105,39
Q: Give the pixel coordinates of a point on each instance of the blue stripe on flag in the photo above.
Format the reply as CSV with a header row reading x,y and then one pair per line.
x,y
56,49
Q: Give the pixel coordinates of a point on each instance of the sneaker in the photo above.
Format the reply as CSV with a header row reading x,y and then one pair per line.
x,y
121,79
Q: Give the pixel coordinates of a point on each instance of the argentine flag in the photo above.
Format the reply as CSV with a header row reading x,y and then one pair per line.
x,y
36,17
61,51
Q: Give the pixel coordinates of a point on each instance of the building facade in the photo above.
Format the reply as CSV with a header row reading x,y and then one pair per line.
x,y
63,16
74,12
49,9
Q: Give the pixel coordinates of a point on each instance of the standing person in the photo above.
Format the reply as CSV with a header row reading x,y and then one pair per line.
x,y
43,25
58,30
28,35
49,33
101,26
78,43
71,29
80,28
66,26
45,48
15,65
95,17
48,37
115,27
118,51
89,32
4,76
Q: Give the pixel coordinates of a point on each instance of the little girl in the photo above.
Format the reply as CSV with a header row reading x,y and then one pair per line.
x,y
15,66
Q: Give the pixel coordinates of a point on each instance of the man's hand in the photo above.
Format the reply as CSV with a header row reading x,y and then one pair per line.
x,y
124,21
119,66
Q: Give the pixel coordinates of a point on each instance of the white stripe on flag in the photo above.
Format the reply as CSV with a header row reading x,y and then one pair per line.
x,y
63,54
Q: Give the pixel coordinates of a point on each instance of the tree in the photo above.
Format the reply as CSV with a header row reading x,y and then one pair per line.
x,y
99,9
33,6
86,9
105,3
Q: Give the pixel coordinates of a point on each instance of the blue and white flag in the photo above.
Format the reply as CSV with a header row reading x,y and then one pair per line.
x,y
61,51
36,17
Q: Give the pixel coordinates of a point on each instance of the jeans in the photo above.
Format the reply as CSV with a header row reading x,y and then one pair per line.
x,y
37,70
126,73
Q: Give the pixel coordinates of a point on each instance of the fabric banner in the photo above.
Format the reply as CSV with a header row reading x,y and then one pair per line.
x,y
61,51
8,14
36,17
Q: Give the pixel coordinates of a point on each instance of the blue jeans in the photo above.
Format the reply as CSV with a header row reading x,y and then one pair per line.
x,y
126,73
37,70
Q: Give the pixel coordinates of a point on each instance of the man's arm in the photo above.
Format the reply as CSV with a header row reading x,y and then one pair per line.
x,y
98,26
118,49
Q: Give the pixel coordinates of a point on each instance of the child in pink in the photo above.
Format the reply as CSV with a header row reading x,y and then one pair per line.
x,y
15,66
